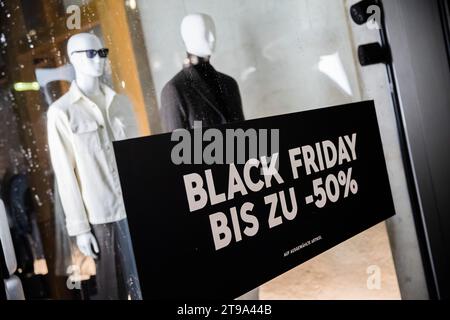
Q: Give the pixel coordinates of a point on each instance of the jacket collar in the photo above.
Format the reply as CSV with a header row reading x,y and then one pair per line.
x,y
76,94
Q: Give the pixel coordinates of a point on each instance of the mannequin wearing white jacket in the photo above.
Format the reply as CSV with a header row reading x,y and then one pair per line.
x,y
88,71
82,125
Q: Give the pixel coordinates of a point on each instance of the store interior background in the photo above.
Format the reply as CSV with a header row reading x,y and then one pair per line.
x,y
287,56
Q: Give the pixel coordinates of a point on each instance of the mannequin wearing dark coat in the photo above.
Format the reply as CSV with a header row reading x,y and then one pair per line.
x,y
200,93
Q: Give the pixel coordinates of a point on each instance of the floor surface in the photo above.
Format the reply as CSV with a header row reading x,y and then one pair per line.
x,y
360,268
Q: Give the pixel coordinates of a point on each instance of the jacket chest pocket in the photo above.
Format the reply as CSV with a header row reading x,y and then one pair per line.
x,y
87,136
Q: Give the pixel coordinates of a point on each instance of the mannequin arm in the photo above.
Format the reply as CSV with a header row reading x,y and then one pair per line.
x,y
172,112
239,113
127,116
88,245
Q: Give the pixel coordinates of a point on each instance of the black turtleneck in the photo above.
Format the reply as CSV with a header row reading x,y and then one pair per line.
x,y
212,80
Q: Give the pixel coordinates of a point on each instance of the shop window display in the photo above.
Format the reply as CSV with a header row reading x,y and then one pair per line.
x,y
68,90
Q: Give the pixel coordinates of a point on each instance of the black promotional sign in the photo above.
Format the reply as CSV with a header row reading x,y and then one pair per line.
x,y
203,230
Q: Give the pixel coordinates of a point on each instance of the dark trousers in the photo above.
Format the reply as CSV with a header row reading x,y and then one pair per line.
x,y
116,273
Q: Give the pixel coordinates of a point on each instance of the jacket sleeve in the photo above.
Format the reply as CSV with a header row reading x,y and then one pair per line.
x,y
172,113
238,113
63,161
130,120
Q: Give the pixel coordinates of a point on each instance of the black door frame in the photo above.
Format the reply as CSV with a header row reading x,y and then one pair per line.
x,y
417,33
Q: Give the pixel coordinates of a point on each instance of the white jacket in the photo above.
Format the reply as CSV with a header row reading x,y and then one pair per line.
x,y
83,157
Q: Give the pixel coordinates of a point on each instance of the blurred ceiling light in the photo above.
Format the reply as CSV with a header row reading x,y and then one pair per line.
x,y
332,66
131,4
26,86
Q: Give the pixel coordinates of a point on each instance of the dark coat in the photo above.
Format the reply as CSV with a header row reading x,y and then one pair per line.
x,y
186,98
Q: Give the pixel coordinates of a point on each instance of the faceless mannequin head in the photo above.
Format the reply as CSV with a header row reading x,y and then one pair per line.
x,y
84,66
199,34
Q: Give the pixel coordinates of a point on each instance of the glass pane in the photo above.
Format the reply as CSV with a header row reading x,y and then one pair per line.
x,y
287,56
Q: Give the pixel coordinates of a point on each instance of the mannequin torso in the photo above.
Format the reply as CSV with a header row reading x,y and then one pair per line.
x,y
99,99
213,81
188,97
199,92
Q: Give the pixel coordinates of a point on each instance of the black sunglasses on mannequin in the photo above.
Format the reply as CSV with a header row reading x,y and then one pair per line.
x,y
91,53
